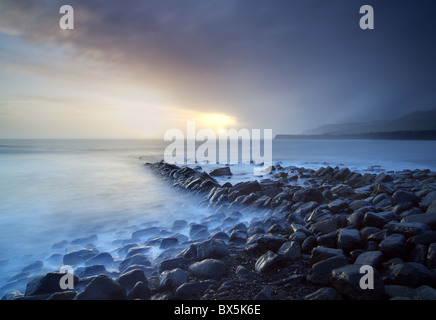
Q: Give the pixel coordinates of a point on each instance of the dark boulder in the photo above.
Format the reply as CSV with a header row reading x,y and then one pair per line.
x,y
102,287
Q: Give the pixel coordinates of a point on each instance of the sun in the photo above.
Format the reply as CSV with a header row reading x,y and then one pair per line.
x,y
217,122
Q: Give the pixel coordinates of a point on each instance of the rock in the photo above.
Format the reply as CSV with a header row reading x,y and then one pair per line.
x,y
423,238
431,256
245,188
137,259
208,269
342,190
321,270
140,291
306,208
198,231
265,293
47,284
427,218
346,281
173,263
349,239
136,250
128,279
337,206
92,270
309,244
328,240
393,290
190,290
146,233
60,245
355,220
432,208
104,258
78,256
410,274
215,249
425,293
102,287
171,279
298,237
418,254
290,251
268,242
393,246
65,295
372,219
408,229
189,252
37,265
328,225
308,195
168,242
428,200
268,262
224,171
322,253
323,294
402,196
238,237
382,178
370,258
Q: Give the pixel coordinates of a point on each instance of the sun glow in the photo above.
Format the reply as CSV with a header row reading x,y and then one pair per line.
x,y
216,122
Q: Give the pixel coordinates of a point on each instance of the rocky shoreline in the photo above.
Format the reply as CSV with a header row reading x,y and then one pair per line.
x,y
271,239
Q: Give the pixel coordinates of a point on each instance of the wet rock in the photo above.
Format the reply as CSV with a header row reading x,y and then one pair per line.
x,y
168,242
265,293
321,270
104,258
372,219
308,195
65,295
426,218
208,269
102,287
198,231
402,196
370,258
355,220
79,256
290,251
323,294
346,281
137,259
128,279
173,263
392,290
309,244
245,188
46,284
410,274
328,225
337,206
298,237
193,289
322,253
215,249
146,233
428,200
349,239
342,190
425,292
268,242
60,245
140,291
268,262
328,240
394,246
423,238
34,266
408,229
431,256
224,171
179,225
85,240
92,270
238,237
171,279
137,250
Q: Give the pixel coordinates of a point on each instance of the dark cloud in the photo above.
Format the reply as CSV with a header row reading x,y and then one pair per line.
x,y
289,65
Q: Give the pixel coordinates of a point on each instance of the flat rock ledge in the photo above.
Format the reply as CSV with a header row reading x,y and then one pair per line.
x,y
296,233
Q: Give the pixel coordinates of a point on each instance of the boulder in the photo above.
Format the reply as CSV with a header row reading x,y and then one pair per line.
x,y
426,218
402,196
321,253
79,256
172,279
346,280
411,274
47,284
193,289
432,207
128,279
323,294
321,270
208,269
224,171
140,291
104,258
137,259
393,246
408,229
370,258
308,195
268,262
372,219
290,251
431,256
349,239
102,287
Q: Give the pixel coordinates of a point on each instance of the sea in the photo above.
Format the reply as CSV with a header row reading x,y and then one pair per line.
x,y
55,190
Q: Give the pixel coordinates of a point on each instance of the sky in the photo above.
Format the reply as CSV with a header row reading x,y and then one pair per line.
x,y
136,68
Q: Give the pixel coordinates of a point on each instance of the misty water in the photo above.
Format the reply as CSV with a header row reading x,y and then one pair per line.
x,y
53,190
